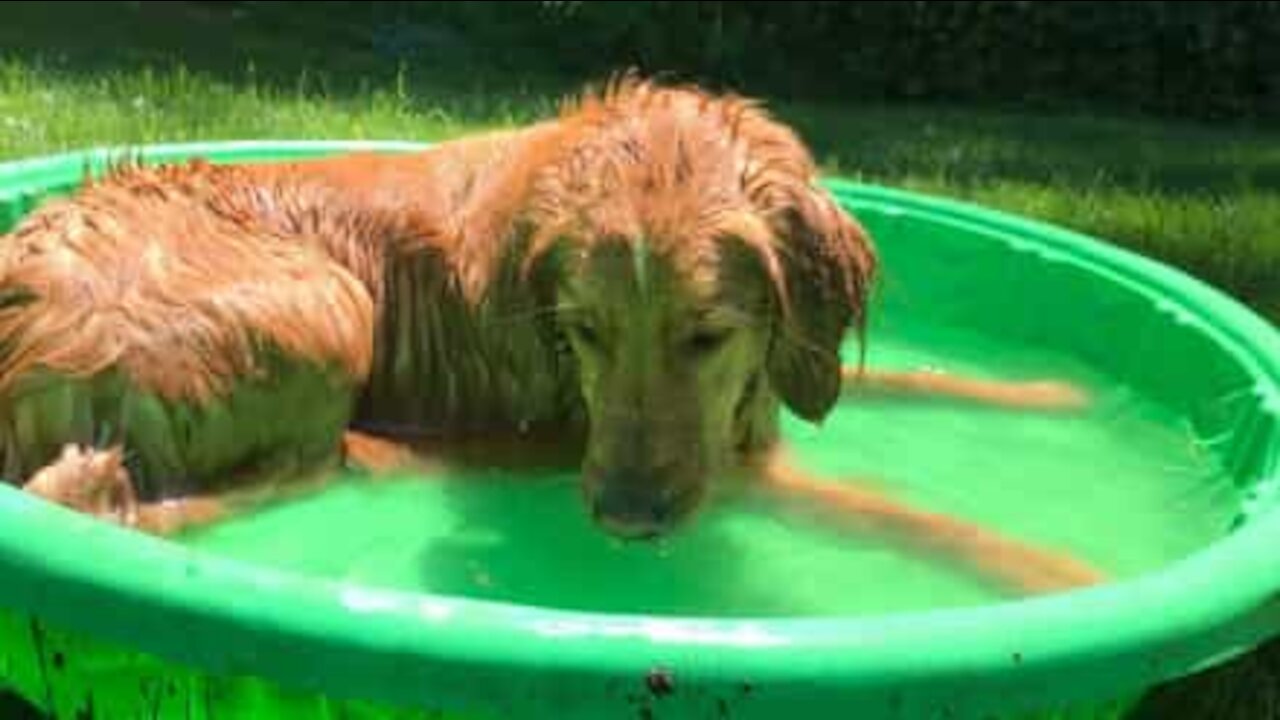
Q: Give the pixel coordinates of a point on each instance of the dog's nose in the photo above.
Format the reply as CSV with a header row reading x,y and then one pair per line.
x,y
634,511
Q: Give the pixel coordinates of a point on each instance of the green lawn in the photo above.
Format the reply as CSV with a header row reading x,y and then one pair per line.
x,y
1202,197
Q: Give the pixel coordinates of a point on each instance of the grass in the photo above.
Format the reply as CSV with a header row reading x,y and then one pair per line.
x,y
1204,198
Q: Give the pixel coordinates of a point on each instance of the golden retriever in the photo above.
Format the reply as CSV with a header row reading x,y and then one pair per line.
x,y
639,284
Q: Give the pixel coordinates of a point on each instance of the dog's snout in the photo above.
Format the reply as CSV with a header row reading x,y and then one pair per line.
x,y
632,512
632,505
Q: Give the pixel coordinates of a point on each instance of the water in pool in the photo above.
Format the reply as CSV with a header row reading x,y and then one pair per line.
x,y
1123,486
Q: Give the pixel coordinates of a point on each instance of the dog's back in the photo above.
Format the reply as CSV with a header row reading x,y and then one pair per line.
x,y
224,322
155,308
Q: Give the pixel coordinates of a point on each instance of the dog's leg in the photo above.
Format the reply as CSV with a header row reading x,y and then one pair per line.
x,y
207,481
288,481
190,463
1027,395
556,450
95,482
1008,561
91,481
237,395
381,456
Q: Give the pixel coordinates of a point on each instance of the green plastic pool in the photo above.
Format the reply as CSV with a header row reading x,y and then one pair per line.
x,y
483,595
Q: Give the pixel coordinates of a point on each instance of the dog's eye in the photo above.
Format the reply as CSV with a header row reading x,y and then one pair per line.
x,y
707,340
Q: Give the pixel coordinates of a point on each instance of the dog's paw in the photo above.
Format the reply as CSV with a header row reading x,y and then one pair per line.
x,y
91,481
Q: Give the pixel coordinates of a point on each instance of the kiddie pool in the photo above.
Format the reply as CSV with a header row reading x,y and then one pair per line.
x,y
99,622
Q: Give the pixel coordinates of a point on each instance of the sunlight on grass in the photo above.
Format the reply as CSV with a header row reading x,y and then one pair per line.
x,y
1228,239
1204,199
44,111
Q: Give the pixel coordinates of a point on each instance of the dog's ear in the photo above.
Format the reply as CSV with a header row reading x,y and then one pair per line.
x,y
522,333
523,281
827,264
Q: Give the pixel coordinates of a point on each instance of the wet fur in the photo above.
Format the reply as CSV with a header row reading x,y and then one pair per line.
x,y
225,326
407,284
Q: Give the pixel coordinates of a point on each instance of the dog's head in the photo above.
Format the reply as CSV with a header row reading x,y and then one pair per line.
x,y
699,276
